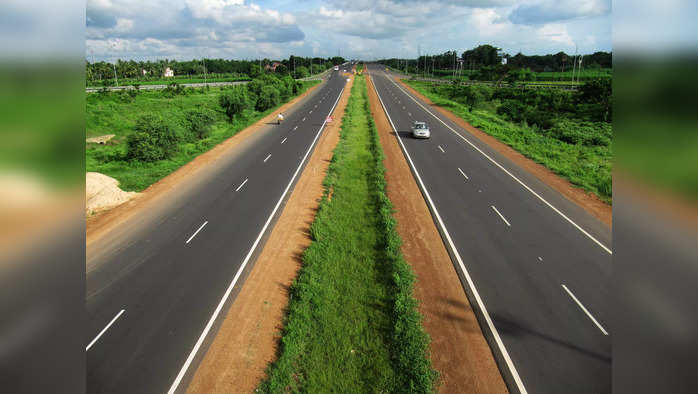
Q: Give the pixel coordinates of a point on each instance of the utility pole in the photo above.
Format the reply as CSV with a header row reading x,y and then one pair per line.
x,y
419,55
574,63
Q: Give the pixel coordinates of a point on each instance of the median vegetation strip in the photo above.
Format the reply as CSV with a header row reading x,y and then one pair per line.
x,y
159,131
353,323
568,132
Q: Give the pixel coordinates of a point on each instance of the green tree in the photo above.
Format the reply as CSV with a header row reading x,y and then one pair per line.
x,y
200,122
234,101
153,140
255,70
301,72
473,97
269,97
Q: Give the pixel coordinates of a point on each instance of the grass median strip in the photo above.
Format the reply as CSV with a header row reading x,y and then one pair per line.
x,y
352,322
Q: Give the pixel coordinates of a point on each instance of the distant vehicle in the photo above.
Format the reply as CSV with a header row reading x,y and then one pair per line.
x,y
336,68
280,118
420,130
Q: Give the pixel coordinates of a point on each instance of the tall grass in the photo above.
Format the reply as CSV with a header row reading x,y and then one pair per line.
x,y
352,322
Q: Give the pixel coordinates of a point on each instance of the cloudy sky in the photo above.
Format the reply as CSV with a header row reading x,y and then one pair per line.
x,y
364,29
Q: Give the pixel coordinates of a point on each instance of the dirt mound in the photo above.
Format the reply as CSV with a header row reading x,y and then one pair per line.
x,y
102,139
102,192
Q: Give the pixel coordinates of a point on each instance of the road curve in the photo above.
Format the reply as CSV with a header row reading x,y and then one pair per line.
x,y
534,265
153,294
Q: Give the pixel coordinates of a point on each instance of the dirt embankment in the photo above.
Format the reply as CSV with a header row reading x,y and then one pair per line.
x,y
458,348
248,338
104,221
587,200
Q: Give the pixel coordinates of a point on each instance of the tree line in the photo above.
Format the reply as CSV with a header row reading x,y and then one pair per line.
x,y
296,66
491,56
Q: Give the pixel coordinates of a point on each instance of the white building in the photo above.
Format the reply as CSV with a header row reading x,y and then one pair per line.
x,y
169,72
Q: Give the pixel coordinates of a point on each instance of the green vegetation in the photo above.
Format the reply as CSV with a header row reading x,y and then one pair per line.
x,y
159,131
352,323
568,132
132,72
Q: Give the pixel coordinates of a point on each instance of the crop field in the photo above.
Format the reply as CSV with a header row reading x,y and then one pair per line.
x,y
352,323
125,113
555,128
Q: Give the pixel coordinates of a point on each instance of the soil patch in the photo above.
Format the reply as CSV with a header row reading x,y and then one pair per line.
x,y
587,200
102,139
248,338
458,348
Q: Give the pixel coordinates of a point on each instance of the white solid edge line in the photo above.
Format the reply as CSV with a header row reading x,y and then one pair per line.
x,y
241,185
267,158
471,284
501,216
104,329
197,231
507,172
461,171
284,140
218,309
585,310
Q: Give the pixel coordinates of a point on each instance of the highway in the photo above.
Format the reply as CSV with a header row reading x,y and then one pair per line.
x,y
156,288
535,266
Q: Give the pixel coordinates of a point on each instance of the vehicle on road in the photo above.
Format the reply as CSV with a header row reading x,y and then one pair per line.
x,y
336,68
420,130
279,118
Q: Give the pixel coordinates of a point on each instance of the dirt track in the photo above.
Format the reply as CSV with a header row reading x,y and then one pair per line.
x,y
587,200
458,348
247,340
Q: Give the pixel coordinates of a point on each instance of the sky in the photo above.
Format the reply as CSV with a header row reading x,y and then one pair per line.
x,y
356,29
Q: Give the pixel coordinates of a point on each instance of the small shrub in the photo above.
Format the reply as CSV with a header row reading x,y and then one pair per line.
x,y
152,140
200,122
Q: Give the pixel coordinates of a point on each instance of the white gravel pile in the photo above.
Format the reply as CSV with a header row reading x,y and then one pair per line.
x,y
102,192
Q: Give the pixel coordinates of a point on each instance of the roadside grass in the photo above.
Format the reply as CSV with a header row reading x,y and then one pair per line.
x,y
352,323
117,112
588,167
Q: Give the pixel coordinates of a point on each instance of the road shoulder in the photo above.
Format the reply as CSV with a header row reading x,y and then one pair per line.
x,y
248,338
586,200
458,348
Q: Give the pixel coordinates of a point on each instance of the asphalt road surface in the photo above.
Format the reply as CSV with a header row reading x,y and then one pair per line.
x,y
535,266
153,295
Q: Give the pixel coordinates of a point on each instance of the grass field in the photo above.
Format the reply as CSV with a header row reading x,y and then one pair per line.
x,y
352,323
588,167
165,81
117,112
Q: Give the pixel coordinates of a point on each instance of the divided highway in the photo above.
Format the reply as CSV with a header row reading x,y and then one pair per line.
x,y
536,266
153,295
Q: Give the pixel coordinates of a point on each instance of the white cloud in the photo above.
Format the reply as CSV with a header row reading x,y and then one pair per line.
x,y
556,33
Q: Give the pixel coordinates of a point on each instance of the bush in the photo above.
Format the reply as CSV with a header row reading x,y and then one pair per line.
x,y
234,101
152,140
268,98
200,122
